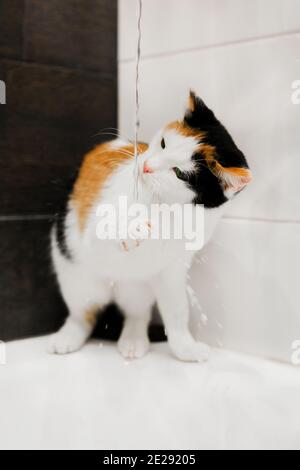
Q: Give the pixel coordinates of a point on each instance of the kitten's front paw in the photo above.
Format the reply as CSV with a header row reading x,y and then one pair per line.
x,y
64,343
128,245
191,351
140,232
133,348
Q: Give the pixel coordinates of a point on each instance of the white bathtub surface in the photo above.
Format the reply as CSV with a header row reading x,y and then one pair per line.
x,y
95,400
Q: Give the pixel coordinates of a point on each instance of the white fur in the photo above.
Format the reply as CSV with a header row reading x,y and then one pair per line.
x,y
153,271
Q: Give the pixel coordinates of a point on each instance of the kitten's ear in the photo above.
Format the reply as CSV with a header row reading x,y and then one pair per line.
x,y
198,110
192,102
233,179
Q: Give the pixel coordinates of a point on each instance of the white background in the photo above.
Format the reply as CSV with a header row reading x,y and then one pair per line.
x,y
242,57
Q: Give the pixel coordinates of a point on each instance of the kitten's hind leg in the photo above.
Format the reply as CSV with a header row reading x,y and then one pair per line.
x,y
72,336
136,301
84,304
84,298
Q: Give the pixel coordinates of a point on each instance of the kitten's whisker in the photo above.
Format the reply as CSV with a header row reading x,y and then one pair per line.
x,y
107,133
155,184
118,134
122,152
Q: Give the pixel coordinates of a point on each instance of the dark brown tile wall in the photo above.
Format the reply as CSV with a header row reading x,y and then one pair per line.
x,y
11,28
30,303
58,60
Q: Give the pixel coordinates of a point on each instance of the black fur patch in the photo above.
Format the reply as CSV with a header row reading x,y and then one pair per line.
x,y
60,219
60,233
207,187
203,182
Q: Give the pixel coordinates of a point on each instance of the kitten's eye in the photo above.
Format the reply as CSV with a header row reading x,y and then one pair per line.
x,y
163,144
177,172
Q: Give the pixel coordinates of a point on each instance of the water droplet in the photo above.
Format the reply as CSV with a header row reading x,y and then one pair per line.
x,y
193,297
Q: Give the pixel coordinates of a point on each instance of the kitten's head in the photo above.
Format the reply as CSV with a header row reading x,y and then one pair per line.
x,y
197,154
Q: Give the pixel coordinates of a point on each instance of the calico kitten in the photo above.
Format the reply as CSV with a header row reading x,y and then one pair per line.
x,y
190,161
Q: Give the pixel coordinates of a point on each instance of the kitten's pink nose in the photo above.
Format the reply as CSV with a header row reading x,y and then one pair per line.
x,y
147,169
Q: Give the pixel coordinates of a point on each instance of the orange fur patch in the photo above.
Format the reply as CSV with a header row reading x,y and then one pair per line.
x,y
191,103
98,165
186,131
242,174
239,172
91,316
209,153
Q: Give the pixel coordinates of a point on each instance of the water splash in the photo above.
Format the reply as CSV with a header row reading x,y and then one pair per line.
x,y
193,297
196,304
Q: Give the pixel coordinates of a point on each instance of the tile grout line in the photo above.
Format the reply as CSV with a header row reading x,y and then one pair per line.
x,y
261,220
211,46
23,218
98,75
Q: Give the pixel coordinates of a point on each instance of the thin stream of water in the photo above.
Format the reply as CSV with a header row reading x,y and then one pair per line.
x,y
137,102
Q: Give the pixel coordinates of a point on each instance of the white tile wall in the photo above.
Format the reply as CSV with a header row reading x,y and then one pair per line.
x,y
247,283
249,87
242,57
170,26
